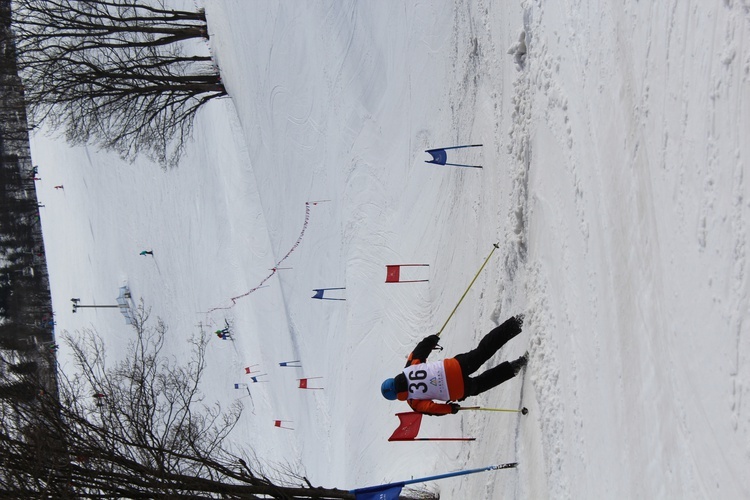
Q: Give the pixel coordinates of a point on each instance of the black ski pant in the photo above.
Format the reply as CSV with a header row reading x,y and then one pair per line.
x,y
488,346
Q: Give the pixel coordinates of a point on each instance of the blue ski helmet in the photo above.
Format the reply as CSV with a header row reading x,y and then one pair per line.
x,y
388,389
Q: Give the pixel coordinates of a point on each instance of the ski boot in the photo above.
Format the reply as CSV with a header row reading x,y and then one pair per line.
x,y
519,363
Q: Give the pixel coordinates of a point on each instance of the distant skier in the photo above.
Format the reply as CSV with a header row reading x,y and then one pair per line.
x,y
147,252
421,382
223,334
59,187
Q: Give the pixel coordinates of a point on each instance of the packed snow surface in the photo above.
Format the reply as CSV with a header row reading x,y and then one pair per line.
x,y
615,180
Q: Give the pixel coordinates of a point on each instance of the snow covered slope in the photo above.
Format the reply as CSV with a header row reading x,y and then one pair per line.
x,y
614,179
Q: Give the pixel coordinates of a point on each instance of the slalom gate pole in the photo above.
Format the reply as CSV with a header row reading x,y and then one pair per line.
x,y
510,465
458,147
523,410
495,246
433,439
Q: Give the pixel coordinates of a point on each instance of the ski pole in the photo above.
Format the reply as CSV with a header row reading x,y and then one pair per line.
x,y
494,247
522,411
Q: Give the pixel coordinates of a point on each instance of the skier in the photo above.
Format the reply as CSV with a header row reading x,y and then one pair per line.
x,y
147,252
59,187
421,382
223,334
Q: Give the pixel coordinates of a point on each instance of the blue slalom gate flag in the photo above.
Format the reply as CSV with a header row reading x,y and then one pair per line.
x,y
391,491
440,156
382,492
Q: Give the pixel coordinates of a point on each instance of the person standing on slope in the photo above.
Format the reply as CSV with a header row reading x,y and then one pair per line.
x,y
421,382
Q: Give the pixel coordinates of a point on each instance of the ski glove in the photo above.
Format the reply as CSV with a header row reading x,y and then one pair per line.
x,y
423,350
455,407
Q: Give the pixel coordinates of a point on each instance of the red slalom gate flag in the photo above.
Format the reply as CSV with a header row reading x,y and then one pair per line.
x,y
408,428
304,383
409,423
280,424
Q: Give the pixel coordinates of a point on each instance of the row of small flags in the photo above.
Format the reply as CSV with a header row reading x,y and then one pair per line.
x,y
303,383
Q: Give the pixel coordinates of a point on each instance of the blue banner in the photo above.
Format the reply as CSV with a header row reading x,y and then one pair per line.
x,y
377,493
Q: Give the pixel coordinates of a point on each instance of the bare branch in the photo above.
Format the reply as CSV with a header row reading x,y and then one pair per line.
x,y
137,427
112,73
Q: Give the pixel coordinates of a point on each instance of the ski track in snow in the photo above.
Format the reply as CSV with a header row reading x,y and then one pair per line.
x,y
545,376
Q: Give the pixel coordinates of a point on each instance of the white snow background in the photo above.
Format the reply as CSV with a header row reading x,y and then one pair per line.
x,y
615,180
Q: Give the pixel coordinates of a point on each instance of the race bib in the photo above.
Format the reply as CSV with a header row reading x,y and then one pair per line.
x,y
427,381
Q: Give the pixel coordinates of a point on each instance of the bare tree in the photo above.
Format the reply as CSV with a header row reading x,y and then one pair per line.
x,y
114,72
137,429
